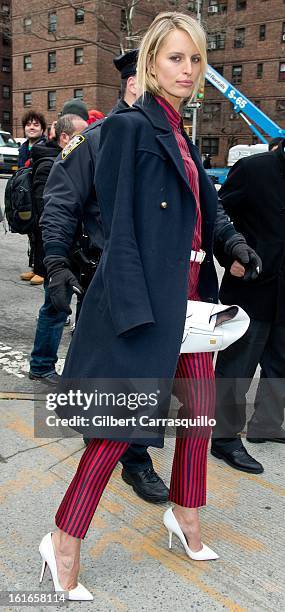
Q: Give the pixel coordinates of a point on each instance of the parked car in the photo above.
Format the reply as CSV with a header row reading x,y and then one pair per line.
x,y
19,141
9,153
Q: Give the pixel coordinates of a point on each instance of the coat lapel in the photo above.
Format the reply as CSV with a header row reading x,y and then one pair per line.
x,y
155,114
170,145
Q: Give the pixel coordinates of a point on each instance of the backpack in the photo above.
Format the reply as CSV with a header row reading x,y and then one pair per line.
x,y
19,210
19,203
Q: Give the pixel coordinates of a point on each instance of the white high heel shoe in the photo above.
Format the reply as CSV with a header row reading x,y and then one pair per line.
x,y
80,593
170,522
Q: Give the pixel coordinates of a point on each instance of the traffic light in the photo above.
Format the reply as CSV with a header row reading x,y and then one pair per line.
x,y
201,91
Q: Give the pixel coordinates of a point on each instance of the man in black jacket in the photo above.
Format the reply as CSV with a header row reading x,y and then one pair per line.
x,y
253,197
50,322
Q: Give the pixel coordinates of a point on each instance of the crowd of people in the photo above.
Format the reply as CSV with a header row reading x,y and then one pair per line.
x,y
127,218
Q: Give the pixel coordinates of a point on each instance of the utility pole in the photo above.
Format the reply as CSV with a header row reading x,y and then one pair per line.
x,y
195,110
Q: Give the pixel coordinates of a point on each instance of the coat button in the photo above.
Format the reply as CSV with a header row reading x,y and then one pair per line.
x,y
163,205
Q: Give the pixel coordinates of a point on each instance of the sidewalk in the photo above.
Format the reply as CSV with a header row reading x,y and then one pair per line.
x,y
125,559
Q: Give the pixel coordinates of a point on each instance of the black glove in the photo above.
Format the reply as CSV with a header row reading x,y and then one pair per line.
x,y
237,248
60,279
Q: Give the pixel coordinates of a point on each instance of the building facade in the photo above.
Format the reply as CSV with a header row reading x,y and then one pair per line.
x,y
55,58
5,68
246,43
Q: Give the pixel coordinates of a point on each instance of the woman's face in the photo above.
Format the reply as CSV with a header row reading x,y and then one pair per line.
x,y
177,67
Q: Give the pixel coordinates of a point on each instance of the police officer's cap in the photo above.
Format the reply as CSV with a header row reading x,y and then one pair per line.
x,y
127,63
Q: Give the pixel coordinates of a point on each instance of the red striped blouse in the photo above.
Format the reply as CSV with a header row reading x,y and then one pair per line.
x,y
176,123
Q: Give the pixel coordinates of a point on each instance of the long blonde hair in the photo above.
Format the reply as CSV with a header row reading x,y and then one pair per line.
x,y
162,25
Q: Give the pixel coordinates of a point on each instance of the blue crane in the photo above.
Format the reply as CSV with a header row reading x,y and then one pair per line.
x,y
245,108
251,114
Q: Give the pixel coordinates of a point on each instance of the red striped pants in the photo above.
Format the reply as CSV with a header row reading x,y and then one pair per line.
x,y
195,388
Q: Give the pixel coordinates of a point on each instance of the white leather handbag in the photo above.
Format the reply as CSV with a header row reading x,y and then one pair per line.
x,y
212,327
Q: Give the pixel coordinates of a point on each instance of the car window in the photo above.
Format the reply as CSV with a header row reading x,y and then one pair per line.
x,y
6,140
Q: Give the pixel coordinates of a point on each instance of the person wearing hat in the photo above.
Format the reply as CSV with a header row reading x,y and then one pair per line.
x,y
126,64
75,107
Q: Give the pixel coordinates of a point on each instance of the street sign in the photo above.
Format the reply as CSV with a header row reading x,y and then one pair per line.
x,y
193,105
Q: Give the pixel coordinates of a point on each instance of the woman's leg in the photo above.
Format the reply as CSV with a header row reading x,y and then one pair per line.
x,y
79,504
195,388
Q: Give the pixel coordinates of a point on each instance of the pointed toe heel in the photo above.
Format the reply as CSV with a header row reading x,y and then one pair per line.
x,y
80,593
172,525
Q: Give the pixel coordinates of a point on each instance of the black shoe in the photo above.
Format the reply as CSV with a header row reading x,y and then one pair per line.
x,y
51,379
278,437
239,459
147,485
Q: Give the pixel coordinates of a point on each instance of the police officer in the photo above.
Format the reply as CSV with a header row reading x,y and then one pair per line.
x,y
69,199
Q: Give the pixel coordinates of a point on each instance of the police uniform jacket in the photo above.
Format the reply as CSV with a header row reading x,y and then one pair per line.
x,y
253,197
70,197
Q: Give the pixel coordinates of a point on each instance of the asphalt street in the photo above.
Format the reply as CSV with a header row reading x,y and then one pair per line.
x,y
126,563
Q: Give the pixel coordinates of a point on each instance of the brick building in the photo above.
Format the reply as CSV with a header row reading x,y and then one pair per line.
x,y
51,67
246,43
5,68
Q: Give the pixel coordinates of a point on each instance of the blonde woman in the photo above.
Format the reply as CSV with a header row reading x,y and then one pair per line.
x,y
158,211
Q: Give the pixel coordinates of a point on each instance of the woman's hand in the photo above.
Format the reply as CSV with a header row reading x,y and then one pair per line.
x,y
237,269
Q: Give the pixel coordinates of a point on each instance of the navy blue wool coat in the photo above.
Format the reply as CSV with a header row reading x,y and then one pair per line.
x,y
133,314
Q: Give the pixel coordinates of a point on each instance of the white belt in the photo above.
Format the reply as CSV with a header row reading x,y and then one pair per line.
x,y
198,256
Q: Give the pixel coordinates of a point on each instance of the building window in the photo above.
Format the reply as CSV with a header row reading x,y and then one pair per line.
x,y
6,92
191,6
236,74
215,6
123,23
52,22
211,111
78,93
283,32
240,5
280,105
6,117
282,71
6,39
259,71
27,98
6,64
52,61
210,146
51,100
223,7
27,62
78,55
216,41
79,15
262,31
27,24
219,68
239,38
